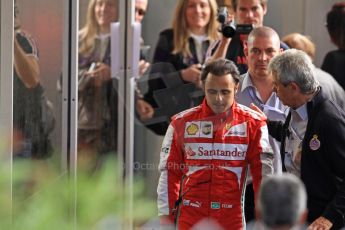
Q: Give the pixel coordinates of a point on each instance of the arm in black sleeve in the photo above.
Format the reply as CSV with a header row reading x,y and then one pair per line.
x,y
328,64
275,129
335,146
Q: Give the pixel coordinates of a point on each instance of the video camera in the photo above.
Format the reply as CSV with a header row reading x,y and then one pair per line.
x,y
229,29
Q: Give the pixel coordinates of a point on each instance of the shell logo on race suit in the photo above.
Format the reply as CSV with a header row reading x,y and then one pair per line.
x,y
192,129
199,129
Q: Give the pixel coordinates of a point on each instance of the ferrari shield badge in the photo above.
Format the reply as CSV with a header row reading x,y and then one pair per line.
x,y
314,143
228,126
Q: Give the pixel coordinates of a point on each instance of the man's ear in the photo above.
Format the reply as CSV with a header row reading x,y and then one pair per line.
x,y
264,7
294,86
303,218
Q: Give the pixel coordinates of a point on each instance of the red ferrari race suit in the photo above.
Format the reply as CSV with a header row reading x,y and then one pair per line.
x,y
204,162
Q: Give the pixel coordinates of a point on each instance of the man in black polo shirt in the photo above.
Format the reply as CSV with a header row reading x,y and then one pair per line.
x,y
246,12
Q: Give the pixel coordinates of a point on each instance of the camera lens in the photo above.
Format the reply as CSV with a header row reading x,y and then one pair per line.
x,y
228,31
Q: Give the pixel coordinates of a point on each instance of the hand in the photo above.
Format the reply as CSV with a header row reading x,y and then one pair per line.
x,y
257,109
192,74
165,223
320,223
100,74
144,110
102,71
225,41
143,66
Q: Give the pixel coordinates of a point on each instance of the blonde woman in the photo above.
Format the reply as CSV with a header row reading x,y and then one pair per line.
x,y
182,48
97,100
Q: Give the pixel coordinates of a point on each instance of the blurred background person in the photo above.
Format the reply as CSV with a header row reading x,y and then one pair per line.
x,y
330,86
334,61
144,109
97,105
282,203
29,136
180,53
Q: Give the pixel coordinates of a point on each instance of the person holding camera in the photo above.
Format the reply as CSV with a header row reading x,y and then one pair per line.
x,y
180,53
249,14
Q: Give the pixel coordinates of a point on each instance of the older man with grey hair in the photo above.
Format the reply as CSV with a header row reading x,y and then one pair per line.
x,y
312,137
282,202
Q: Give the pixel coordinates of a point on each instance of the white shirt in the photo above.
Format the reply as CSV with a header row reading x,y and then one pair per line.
x,y
198,40
273,109
293,143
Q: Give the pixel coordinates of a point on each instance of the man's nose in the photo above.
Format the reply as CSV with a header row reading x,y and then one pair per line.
x,y
250,14
263,56
219,97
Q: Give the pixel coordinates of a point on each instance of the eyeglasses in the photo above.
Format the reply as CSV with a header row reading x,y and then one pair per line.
x,y
141,12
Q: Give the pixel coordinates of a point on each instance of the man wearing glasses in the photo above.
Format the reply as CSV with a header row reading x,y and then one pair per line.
x,y
140,9
143,108
318,156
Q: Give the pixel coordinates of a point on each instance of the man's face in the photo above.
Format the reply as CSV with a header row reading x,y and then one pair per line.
x,y
220,92
198,14
250,12
140,10
259,51
285,93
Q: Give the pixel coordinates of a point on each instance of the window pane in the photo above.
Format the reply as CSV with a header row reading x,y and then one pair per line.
x,y
37,125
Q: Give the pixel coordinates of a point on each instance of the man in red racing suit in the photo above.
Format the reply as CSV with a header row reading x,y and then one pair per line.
x,y
206,154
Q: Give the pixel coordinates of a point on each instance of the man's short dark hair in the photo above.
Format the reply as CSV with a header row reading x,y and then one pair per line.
x,y
336,24
235,2
220,67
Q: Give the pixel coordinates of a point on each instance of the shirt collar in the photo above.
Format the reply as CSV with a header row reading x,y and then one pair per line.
x,y
302,112
103,36
247,82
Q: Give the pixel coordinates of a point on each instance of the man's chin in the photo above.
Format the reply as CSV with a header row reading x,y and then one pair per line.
x,y
262,72
218,109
